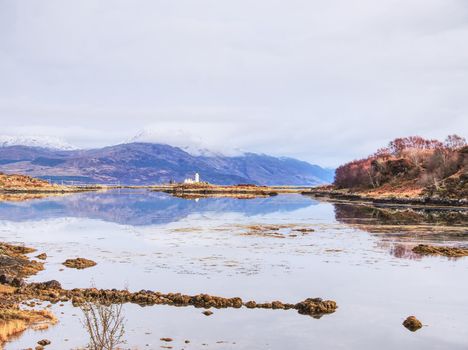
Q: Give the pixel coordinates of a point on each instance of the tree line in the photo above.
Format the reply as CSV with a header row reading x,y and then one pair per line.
x,y
426,163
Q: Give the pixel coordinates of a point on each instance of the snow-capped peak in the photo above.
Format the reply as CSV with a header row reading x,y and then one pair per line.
x,y
35,141
186,141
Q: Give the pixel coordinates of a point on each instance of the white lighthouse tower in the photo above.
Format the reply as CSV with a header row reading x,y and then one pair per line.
x,y
193,181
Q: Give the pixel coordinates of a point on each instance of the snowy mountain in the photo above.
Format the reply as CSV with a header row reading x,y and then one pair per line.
x,y
140,163
35,141
184,140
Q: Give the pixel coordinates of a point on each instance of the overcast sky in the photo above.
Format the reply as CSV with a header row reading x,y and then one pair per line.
x,y
324,81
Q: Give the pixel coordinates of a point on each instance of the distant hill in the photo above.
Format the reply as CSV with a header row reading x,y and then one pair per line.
x,y
142,163
411,166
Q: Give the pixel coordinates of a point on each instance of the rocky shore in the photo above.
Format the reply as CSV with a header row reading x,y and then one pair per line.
x,y
344,195
14,187
16,266
53,292
197,190
214,190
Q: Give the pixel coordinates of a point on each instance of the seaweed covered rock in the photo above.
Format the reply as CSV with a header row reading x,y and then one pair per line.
x,y
79,263
412,323
12,281
453,252
15,265
42,256
44,342
52,284
316,307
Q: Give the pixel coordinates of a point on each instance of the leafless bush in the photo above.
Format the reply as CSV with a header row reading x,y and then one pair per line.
x,y
105,325
429,162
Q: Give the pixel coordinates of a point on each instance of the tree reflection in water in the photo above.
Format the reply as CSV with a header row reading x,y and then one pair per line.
x,y
400,228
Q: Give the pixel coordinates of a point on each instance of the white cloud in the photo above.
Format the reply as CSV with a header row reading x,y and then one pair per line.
x,y
325,81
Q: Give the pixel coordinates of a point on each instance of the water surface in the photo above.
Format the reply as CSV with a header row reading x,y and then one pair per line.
x,y
357,255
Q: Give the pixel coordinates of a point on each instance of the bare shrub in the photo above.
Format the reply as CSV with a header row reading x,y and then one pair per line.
x,y
105,325
410,159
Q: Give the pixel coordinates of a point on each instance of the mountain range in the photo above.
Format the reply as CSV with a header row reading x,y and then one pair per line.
x,y
35,141
141,163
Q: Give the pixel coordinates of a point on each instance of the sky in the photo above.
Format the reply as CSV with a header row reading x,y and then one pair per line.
x,y
323,81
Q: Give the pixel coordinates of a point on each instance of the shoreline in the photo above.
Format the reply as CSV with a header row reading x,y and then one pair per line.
x,y
413,202
185,191
16,266
51,191
196,191
236,191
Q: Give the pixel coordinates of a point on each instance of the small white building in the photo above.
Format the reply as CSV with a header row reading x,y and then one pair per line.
x,y
195,180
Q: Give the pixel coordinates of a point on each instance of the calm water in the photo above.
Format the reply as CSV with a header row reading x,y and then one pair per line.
x,y
359,256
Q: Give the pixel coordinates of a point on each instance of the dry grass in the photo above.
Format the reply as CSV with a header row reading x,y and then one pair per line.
x,y
15,321
14,187
6,289
408,189
21,182
11,328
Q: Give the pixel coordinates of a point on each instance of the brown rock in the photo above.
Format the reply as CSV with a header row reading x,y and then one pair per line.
x,y
412,323
44,342
42,256
316,307
304,230
79,263
251,304
207,313
166,339
52,284
277,305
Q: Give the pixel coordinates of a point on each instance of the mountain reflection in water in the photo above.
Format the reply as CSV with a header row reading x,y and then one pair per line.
x,y
139,208
397,229
287,247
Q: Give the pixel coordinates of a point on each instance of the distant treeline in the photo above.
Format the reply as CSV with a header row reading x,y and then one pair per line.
x,y
439,167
